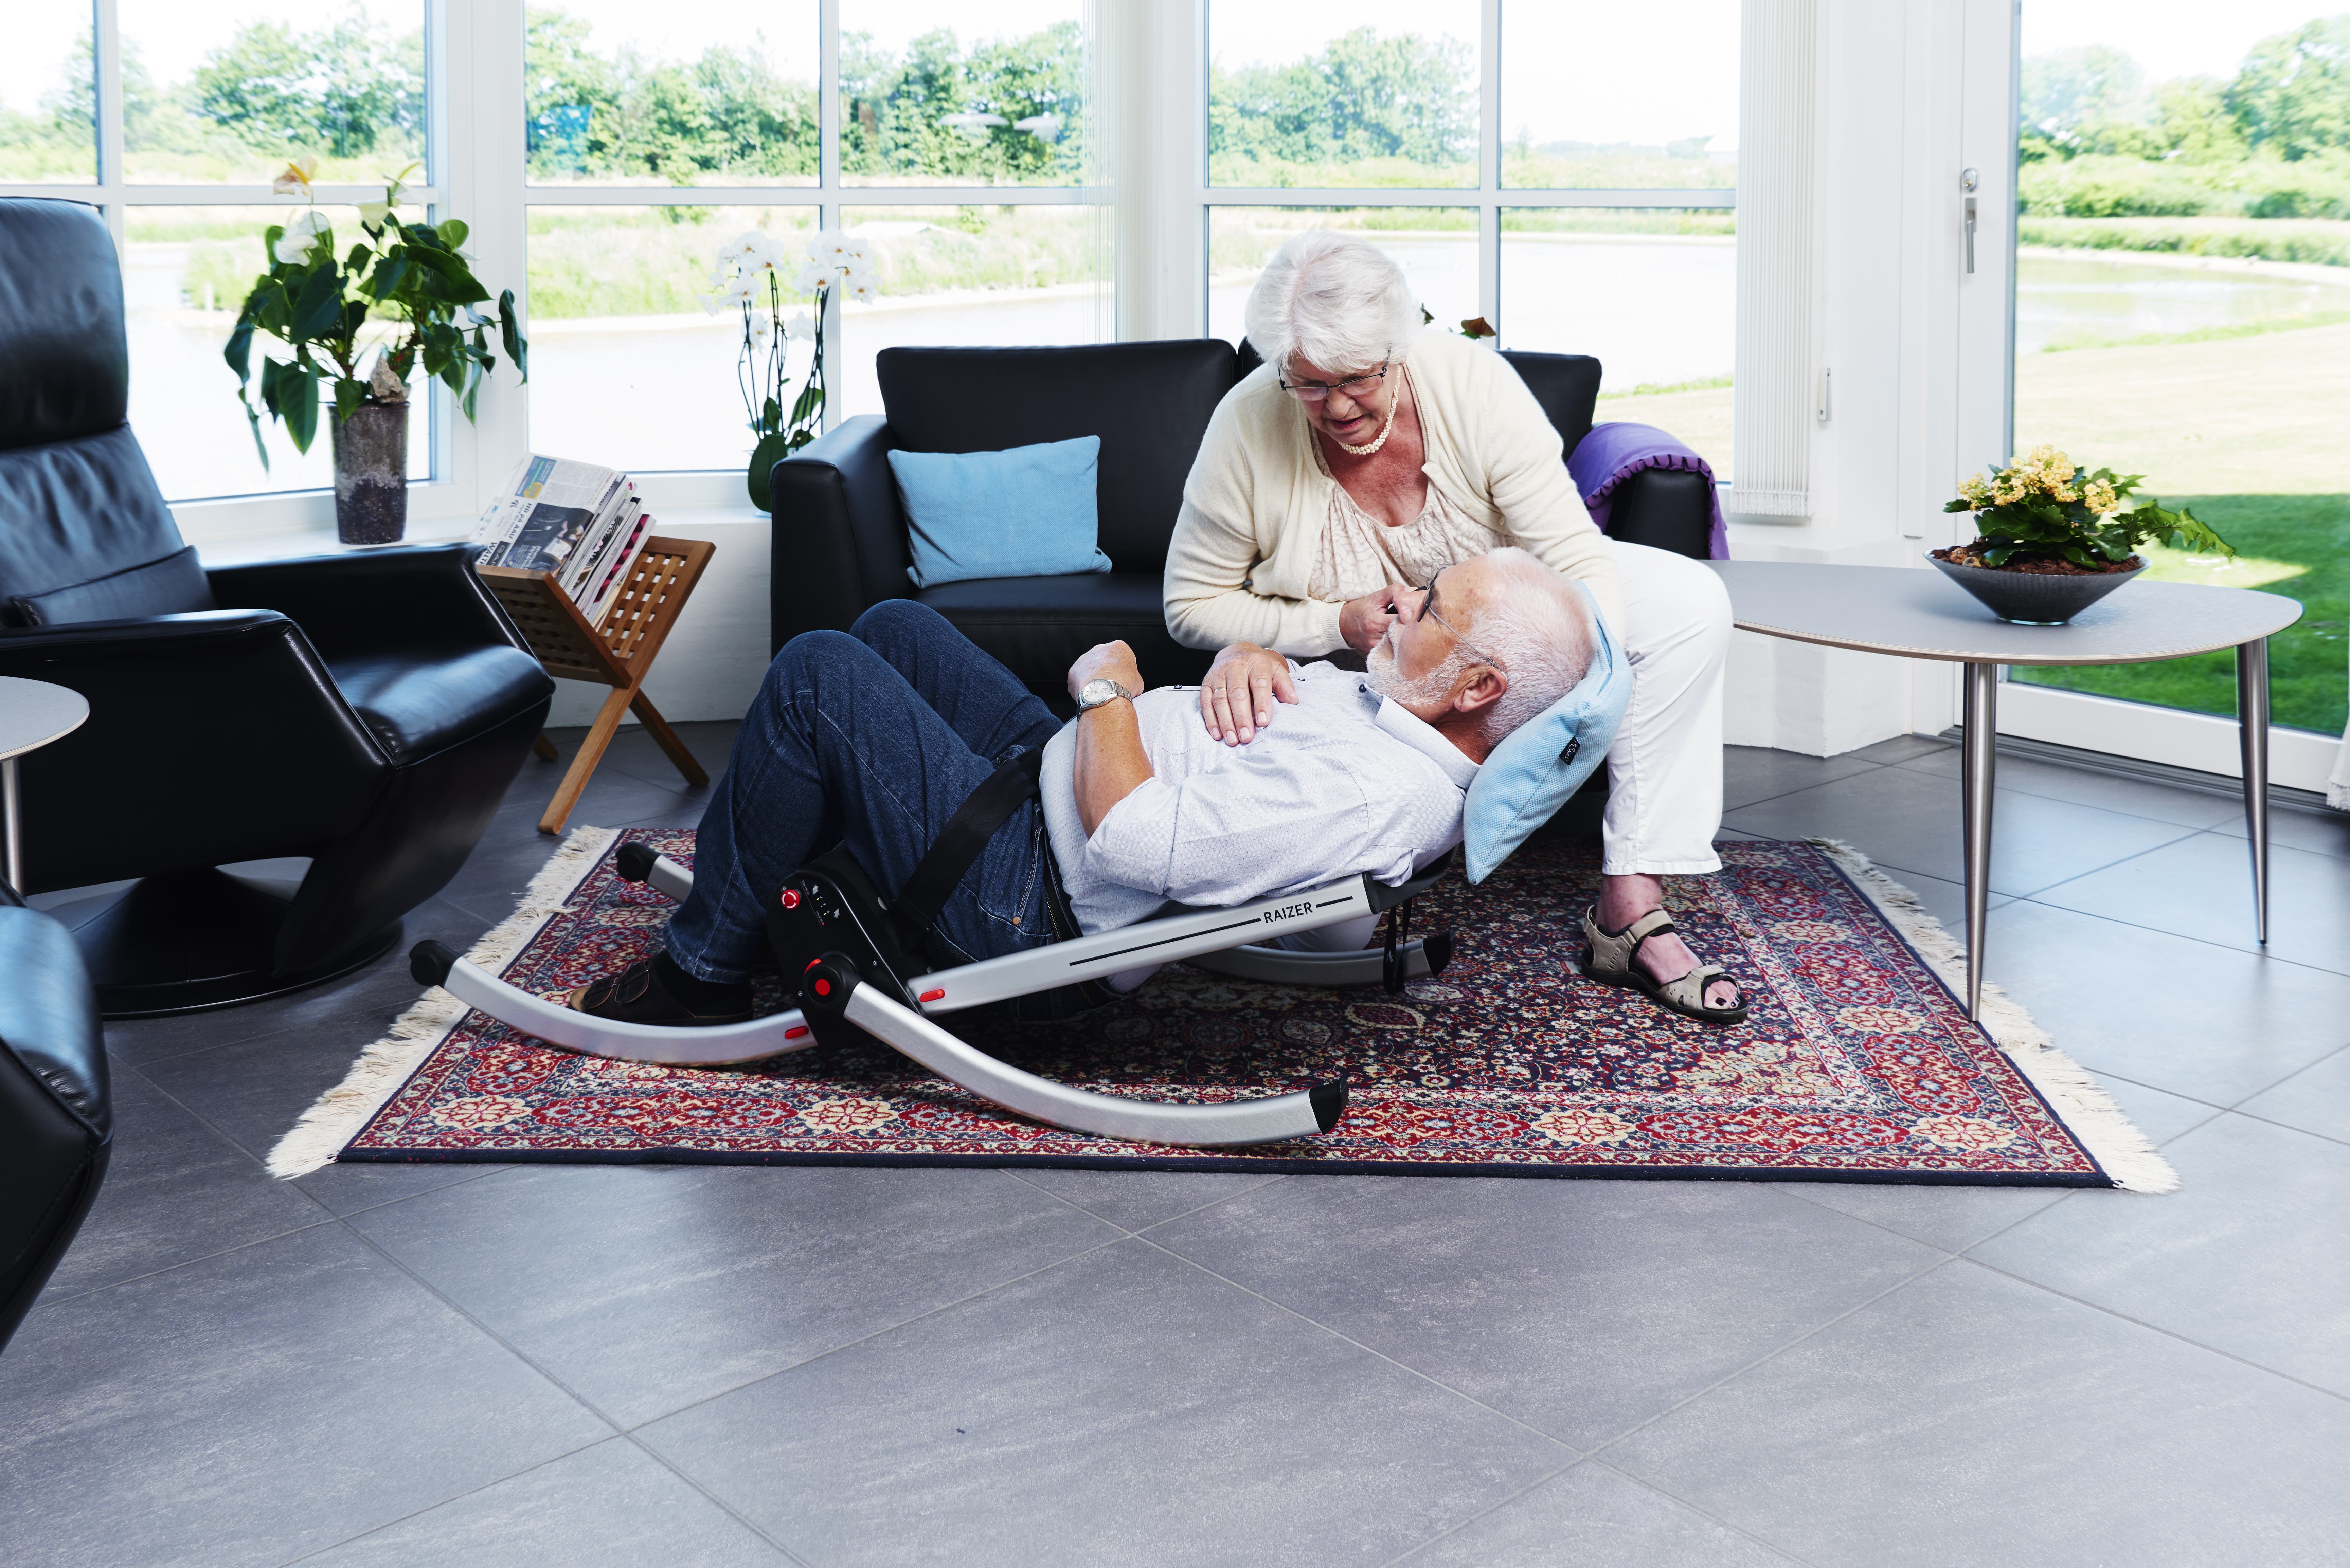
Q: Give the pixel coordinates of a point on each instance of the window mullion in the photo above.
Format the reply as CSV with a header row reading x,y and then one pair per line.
x,y
107,62
828,213
1489,161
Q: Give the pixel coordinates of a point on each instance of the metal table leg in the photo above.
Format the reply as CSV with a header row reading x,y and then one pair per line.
x,y
2253,737
13,867
1981,718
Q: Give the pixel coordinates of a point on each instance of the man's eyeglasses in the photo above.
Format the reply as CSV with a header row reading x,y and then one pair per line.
x,y
1355,387
1428,608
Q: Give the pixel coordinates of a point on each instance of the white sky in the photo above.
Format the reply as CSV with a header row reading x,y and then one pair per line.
x,y
1563,65
1543,42
2169,37
173,36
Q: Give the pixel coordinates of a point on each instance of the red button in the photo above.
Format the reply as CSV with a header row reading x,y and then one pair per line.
x,y
791,897
929,996
795,1031
823,986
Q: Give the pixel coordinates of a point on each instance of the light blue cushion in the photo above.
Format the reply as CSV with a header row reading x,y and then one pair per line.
x,y
1531,775
1030,512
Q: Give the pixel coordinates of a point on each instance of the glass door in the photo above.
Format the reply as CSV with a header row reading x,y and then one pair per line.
x,y
2182,311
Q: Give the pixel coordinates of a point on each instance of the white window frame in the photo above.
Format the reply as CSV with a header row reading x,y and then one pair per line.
x,y
474,52
2177,737
1487,198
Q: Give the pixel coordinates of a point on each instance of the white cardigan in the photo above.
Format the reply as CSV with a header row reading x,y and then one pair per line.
x,y
1257,501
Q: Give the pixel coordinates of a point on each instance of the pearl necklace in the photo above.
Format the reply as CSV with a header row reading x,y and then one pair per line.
x,y
1385,430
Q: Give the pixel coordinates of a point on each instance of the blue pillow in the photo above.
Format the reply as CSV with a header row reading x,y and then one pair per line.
x,y
1029,512
1531,775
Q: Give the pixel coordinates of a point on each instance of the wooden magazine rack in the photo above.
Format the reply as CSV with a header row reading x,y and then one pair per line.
x,y
620,655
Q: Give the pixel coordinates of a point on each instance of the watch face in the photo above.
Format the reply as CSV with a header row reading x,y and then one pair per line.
x,y
1095,693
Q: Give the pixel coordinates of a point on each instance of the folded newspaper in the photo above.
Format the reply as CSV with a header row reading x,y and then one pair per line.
x,y
579,523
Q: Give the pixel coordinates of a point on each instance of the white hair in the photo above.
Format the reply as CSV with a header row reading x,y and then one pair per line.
x,y
1537,627
1333,300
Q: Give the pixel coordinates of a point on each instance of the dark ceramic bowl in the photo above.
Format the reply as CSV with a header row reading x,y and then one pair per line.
x,y
2033,598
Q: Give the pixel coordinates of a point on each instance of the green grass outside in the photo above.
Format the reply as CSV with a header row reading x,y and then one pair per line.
x,y
2298,546
2324,241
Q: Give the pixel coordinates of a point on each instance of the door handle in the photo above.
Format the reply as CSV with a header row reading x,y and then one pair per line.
x,y
1968,180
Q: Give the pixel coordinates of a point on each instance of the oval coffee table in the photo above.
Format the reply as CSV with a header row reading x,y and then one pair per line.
x,y
32,715
1914,613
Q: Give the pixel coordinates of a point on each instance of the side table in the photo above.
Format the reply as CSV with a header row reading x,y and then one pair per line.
x,y
1914,613
32,715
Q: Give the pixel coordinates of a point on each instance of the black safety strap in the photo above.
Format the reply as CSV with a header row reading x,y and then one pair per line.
x,y
966,834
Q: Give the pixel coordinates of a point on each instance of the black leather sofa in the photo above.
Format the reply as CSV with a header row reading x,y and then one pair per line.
x,y
840,535
367,711
57,1122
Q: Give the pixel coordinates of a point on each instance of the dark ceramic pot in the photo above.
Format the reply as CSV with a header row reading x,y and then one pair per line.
x,y
371,474
2033,598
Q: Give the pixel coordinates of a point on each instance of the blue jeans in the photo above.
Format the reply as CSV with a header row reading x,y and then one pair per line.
x,y
870,737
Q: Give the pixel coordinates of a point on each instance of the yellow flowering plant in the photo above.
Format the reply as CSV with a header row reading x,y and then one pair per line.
x,y
2044,507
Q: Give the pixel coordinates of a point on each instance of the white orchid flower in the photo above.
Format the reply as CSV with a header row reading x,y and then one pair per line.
x,y
811,278
747,248
743,291
801,327
861,289
762,328
832,248
295,179
710,305
303,231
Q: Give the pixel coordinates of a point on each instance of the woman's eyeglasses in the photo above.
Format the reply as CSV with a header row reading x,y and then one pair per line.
x,y
1355,386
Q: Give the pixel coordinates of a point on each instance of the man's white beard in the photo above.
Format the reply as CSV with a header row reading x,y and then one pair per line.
x,y
1434,686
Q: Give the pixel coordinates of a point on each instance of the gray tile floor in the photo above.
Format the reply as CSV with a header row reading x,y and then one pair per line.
x,y
691,1365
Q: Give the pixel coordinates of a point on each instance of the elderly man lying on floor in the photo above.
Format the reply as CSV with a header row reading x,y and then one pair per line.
x,y
874,737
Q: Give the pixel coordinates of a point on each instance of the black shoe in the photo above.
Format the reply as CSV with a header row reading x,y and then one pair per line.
x,y
648,993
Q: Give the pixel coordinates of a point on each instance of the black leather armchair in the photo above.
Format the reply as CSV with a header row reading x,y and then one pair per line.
x,y
367,711
840,535
57,1125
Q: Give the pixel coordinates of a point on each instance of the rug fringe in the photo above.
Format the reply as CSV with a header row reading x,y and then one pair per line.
x,y
2087,1110
337,1114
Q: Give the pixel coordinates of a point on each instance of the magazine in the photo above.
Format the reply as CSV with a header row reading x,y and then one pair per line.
x,y
578,523
549,507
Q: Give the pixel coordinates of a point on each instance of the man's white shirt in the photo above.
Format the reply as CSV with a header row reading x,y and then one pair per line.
x,y
1341,782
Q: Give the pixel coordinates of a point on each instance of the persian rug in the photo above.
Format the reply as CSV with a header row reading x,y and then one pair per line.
x,y
1857,1063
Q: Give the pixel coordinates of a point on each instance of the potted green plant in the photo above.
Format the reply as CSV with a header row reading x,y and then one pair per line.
x,y
2052,540
750,279
403,292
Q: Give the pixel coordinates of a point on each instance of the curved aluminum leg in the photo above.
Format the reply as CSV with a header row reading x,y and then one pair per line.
x,y
558,1025
1979,763
1267,1120
2253,738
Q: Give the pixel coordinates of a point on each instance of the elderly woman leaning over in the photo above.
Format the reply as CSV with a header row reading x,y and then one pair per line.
x,y
1362,458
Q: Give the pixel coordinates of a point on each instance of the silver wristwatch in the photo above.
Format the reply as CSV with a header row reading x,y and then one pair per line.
x,y
1098,691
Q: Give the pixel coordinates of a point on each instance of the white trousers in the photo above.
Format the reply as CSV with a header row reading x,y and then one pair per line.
x,y
1664,772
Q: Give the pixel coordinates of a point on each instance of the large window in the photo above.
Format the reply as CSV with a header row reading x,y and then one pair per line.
x,y
602,153
684,130
2182,304
647,137
1519,172
177,131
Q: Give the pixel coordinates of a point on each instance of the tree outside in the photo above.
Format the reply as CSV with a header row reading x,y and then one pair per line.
x,y
2184,274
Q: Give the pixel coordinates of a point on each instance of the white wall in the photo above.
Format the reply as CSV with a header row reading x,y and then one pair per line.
x,y
1904,106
